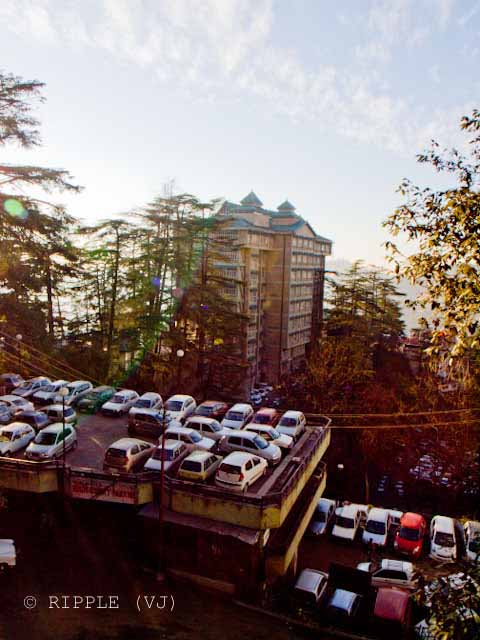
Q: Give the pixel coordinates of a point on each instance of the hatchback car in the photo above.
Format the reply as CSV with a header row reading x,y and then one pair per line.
x,y
127,455
54,413
172,452
377,527
149,400
395,573
46,395
51,442
311,587
292,423
443,545
410,536
212,409
322,516
76,391
36,419
251,442
270,434
148,422
10,381
344,606
120,404
348,519
190,437
238,416
198,466
29,387
95,398
6,413
180,407
14,437
208,427
238,471
17,404
471,530
266,416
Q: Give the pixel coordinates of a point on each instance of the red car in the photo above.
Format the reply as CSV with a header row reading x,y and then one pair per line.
x,y
410,535
266,416
212,409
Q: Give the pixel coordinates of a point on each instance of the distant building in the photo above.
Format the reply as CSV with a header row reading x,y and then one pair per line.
x,y
278,262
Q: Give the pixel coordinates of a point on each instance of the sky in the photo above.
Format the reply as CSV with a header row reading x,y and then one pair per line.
x,y
323,103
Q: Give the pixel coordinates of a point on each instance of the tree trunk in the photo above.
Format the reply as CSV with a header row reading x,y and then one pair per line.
x,y
48,280
113,302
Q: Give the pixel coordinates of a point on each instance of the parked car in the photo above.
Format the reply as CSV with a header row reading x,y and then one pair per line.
x,y
266,416
17,404
238,471
443,546
15,437
180,407
46,395
208,427
54,413
410,536
120,403
190,437
395,573
95,399
49,442
471,530
395,518
392,613
6,413
271,435
238,416
36,419
10,381
199,466
377,527
149,400
251,443
172,452
148,422
212,409
311,587
8,555
344,605
76,391
29,387
127,455
293,424
322,516
348,519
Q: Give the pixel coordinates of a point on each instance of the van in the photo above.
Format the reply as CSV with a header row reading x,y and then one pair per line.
x,y
377,527
443,546
251,442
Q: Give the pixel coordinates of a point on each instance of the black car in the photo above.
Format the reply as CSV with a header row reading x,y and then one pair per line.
x,y
6,414
36,419
10,381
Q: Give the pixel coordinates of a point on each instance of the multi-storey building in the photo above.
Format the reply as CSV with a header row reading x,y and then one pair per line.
x,y
278,264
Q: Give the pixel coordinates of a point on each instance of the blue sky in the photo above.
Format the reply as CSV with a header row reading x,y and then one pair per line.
x,y
325,103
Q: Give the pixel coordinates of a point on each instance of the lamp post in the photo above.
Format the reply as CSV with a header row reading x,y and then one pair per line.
x,y
340,469
180,354
161,532
19,338
63,392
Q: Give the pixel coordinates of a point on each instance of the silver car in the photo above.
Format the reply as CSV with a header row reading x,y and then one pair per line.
x,y
251,443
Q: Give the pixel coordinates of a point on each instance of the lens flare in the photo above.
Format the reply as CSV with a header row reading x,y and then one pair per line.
x,y
15,208
218,341
204,307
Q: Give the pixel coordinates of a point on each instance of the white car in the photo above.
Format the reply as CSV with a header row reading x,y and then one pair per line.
x,y
147,400
17,404
49,442
471,529
395,573
173,451
323,514
311,586
8,556
14,437
31,386
292,423
190,437
127,455
377,527
54,413
180,407
47,394
270,434
238,471
76,391
443,546
348,519
121,403
238,416
208,427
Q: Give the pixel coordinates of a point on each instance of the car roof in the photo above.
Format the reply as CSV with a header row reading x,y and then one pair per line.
x,y
240,406
13,426
309,579
376,513
172,444
238,457
443,523
397,565
411,519
244,433
77,383
202,419
126,443
211,403
267,410
325,503
349,510
291,414
391,604
180,397
56,427
181,429
150,394
10,397
199,456
122,391
31,413
103,387
343,599
143,411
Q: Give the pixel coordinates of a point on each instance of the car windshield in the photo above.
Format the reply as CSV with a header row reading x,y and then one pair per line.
x,y
274,434
236,416
143,404
373,526
346,523
167,454
195,437
215,426
3,408
408,533
6,435
191,465
204,411
93,395
444,539
474,545
19,402
260,442
71,388
174,405
50,387
27,385
46,438
116,453
320,516
117,399
262,418
288,422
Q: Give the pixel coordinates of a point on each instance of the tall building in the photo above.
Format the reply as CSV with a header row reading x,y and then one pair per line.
x,y
278,264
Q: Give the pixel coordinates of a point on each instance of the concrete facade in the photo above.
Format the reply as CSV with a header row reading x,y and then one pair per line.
x,y
277,265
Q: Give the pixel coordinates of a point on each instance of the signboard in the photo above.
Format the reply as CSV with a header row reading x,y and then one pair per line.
x,y
107,490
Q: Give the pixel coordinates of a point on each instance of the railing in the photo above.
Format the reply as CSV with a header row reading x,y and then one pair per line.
x,y
37,465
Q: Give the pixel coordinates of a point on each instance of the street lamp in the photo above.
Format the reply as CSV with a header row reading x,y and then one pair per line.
x,y
63,392
180,354
19,338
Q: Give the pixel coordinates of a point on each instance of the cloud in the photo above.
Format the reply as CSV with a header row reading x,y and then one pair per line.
x,y
214,46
